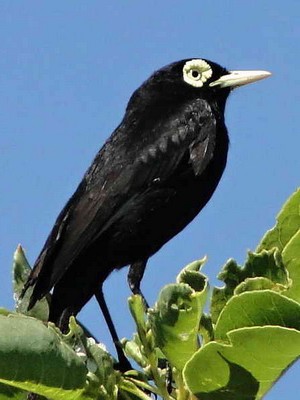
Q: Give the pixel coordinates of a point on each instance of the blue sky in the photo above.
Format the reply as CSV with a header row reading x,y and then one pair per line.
x,y
67,70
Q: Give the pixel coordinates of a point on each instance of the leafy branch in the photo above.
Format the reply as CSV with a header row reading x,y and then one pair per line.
x,y
238,350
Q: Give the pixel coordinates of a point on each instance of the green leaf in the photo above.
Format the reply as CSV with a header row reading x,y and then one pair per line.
x,y
244,369
35,358
142,343
132,349
206,329
176,316
291,259
102,378
135,393
266,264
12,393
137,310
21,271
258,283
287,225
5,312
191,276
257,308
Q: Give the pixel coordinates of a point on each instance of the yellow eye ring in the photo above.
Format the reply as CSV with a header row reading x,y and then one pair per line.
x,y
196,72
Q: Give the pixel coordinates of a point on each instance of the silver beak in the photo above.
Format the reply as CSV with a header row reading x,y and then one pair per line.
x,y
239,78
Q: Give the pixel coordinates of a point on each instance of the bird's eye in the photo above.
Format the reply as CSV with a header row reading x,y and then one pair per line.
x,y
196,72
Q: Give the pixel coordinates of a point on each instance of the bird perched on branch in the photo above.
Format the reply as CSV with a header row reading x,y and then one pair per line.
x,y
150,179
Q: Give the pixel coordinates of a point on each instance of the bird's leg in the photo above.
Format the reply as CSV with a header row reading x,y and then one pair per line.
x,y
134,277
33,396
124,364
169,378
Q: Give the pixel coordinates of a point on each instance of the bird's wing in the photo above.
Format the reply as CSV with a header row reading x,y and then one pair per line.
x,y
115,178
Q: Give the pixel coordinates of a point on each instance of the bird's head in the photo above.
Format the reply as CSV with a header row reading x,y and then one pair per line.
x,y
191,78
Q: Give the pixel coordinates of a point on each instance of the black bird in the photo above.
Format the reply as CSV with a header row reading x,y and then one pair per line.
x,y
151,178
